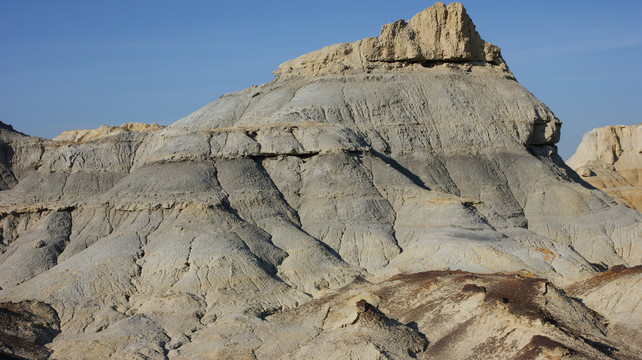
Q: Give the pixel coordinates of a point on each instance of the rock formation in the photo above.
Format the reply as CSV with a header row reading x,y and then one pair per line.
x,y
307,217
105,130
610,158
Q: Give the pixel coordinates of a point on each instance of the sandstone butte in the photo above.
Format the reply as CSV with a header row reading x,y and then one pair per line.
x,y
395,197
610,158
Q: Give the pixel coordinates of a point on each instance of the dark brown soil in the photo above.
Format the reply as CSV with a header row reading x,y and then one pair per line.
x,y
601,279
539,344
25,327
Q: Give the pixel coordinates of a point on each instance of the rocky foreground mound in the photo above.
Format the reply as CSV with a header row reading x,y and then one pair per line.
x,y
395,197
610,158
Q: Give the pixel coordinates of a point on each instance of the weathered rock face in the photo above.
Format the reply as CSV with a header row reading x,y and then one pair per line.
x,y
434,36
610,158
216,236
462,316
615,295
80,136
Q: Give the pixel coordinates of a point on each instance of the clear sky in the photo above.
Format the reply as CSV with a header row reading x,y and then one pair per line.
x,y
73,64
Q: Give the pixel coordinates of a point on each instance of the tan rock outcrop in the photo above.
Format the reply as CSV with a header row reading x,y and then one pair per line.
x,y
440,34
80,136
610,158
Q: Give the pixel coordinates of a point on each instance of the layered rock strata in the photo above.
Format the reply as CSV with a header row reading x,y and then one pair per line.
x,y
79,136
254,219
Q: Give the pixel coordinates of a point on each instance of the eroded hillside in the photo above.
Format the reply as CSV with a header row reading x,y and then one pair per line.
x,y
255,226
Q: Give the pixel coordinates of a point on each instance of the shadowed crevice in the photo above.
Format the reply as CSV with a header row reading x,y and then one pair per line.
x,y
398,167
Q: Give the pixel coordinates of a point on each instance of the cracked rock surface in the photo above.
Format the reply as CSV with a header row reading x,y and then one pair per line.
x,y
255,227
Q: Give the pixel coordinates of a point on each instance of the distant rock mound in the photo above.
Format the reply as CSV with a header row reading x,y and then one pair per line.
x,y
610,158
410,171
104,131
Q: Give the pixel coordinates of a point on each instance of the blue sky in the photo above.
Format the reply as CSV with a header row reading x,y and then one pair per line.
x,y
80,64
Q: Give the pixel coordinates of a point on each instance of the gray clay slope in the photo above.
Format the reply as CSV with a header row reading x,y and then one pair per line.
x,y
413,151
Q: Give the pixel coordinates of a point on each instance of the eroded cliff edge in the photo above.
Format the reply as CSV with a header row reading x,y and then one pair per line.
x,y
413,151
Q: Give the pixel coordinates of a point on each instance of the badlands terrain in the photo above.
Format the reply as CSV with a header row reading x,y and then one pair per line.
x,y
610,158
395,197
